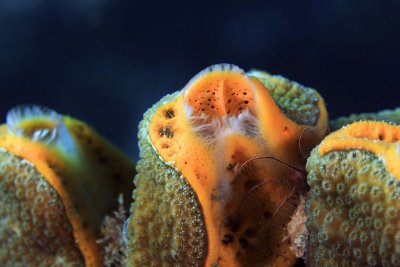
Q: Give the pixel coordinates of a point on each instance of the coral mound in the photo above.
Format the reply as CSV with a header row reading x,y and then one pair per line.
x,y
353,207
212,187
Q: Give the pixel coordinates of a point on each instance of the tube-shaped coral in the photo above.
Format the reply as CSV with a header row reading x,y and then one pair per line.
x,y
212,187
354,201
58,180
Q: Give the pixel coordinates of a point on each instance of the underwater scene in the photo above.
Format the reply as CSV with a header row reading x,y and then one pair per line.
x,y
208,133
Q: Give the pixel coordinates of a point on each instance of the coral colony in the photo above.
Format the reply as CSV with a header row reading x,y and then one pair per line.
x,y
235,169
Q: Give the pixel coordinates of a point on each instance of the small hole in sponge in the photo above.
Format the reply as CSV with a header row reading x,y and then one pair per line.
x,y
167,131
228,238
169,114
165,146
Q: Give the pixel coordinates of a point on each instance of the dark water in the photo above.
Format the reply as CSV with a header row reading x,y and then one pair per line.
x,y
107,61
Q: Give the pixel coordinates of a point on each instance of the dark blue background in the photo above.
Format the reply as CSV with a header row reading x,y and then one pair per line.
x,y
107,61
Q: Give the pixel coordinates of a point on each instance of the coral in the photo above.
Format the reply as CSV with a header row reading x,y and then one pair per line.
x,y
166,224
299,103
34,227
58,180
216,182
297,232
353,205
390,116
113,240
220,182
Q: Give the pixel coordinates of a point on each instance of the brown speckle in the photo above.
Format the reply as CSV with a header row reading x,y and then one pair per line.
x,y
243,242
169,114
228,238
233,224
167,131
266,214
250,232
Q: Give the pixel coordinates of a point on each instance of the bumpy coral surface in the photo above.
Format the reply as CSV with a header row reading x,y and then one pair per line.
x,y
390,116
217,182
166,225
34,229
354,201
58,180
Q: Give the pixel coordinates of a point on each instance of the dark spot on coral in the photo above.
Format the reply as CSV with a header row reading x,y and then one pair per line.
x,y
250,232
165,146
246,102
250,183
167,131
232,224
244,93
380,137
243,242
266,214
228,238
169,114
63,181
51,165
300,263
230,167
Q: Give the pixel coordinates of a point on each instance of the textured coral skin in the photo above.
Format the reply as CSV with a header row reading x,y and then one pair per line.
x,y
354,202
299,103
390,116
35,230
178,235
194,205
53,202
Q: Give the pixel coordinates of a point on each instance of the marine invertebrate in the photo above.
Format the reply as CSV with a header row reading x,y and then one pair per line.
x,y
207,190
58,180
113,239
354,201
389,115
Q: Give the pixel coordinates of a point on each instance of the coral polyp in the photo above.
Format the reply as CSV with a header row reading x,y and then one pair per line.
x,y
58,180
354,202
206,192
